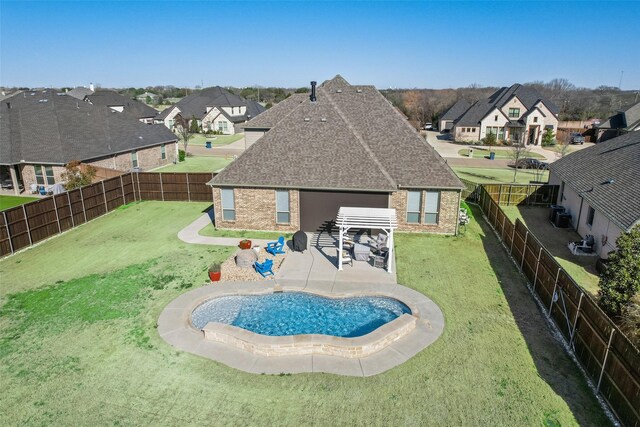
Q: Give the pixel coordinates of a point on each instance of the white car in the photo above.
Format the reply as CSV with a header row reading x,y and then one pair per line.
x,y
428,126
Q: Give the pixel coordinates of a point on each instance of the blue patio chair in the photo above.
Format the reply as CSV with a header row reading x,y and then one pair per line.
x,y
275,248
264,269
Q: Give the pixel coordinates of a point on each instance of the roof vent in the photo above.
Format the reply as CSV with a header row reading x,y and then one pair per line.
x,y
42,100
339,90
359,90
306,119
313,97
323,120
609,181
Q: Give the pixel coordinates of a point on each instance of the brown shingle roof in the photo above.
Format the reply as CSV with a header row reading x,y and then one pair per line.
x,y
351,138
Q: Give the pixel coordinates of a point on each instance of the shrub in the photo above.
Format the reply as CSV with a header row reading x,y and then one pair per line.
x,y
630,323
490,139
181,155
548,138
216,266
620,282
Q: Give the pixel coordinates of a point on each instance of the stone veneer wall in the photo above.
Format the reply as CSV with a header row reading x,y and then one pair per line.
x,y
350,348
256,210
447,219
28,174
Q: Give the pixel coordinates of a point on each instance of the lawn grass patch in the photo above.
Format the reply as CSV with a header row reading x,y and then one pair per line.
x,y
498,175
501,153
211,231
67,363
198,164
7,202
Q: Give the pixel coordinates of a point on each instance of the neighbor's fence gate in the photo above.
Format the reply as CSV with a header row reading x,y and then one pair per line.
x,y
607,356
25,225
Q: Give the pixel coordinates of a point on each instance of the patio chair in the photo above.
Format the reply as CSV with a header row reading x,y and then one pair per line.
x,y
346,257
265,268
585,245
275,248
463,217
380,243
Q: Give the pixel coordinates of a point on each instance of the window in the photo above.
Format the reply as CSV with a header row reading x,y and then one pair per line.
x,y
514,112
431,207
495,118
222,126
282,207
535,120
497,131
44,175
228,204
590,215
134,159
413,206
163,152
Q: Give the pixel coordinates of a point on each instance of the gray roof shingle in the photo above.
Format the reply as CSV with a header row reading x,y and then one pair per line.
x,y
54,128
625,119
456,110
196,104
588,171
110,98
79,92
351,138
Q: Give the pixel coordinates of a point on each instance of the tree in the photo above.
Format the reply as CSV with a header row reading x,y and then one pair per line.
x,y
490,139
184,131
517,151
193,126
548,138
77,175
620,282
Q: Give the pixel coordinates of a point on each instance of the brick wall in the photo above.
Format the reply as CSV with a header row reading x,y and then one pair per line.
x,y
28,174
256,210
148,158
447,218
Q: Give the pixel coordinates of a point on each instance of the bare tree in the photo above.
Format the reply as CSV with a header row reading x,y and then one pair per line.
x,y
518,151
184,130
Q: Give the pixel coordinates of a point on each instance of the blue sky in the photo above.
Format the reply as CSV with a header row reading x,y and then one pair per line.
x,y
388,44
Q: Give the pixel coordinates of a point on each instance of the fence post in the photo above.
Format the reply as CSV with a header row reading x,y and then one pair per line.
x,y
84,211
213,194
504,220
575,321
104,195
161,188
553,294
55,208
138,181
188,189
6,224
524,249
500,195
73,222
26,221
124,200
535,279
604,362
513,237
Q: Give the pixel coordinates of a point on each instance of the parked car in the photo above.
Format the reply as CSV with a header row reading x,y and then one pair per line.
x,y
428,126
576,138
531,163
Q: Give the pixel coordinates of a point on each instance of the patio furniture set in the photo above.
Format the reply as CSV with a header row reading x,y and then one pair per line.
x,y
358,251
265,268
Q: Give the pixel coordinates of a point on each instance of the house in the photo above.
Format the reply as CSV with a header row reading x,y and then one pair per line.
x,y
81,92
214,108
456,110
516,114
599,186
341,145
122,104
624,121
42,131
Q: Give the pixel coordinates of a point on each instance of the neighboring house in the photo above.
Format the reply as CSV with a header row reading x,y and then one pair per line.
x,y
341,145
148,96
81,92
122,104
600,188
517,113
42,131
456,110
624,121
214,108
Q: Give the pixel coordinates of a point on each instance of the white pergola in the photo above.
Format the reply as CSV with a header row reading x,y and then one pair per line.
x,y
372,218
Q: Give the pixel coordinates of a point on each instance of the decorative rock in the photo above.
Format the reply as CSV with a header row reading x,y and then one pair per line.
x,y
246,258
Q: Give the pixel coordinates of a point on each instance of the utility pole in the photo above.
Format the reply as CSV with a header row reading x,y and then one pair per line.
x,y
620,82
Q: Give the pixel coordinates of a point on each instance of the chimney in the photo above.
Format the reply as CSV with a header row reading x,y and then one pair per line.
x,y
313,97
92,87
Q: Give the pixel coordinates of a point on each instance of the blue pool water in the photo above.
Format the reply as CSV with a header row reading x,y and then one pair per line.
x,y
295,313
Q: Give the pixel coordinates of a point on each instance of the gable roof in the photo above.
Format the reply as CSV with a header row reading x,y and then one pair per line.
x,y
273,115
351,138
527,95
626,119
110,98
52,128
588,171
456,110
79,92
197,103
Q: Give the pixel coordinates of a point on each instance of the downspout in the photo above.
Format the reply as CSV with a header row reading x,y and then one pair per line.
x,y
579,215
458,212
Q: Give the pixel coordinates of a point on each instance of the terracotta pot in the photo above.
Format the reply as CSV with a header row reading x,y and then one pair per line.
x,y
214,276
245,244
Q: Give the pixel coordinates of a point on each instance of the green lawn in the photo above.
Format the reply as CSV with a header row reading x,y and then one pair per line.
x,y
501,153
498,175
78,343
7,202
216,140
210,230
198,164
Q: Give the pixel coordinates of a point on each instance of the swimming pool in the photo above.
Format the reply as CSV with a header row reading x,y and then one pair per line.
x,y
297,313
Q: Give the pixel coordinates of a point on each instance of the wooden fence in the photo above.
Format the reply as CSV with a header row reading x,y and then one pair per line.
x,y
25,225
513,194
609,359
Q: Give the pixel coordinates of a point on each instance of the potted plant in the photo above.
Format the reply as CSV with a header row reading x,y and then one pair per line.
x,y
245,244
214,272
